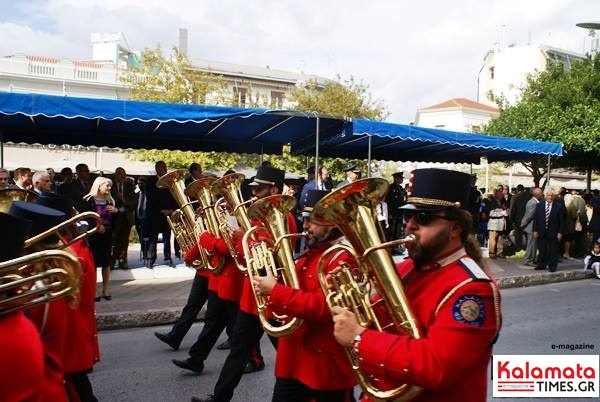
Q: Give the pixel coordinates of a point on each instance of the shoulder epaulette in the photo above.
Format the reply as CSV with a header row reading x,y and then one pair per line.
x,y
473,269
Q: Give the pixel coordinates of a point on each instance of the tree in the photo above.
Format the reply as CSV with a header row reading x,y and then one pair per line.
x,y
559,105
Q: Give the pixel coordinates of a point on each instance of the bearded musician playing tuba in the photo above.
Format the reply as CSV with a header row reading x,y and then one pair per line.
x,y
455,301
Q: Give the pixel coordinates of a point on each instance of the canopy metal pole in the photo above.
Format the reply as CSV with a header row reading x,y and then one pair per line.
x,y
369,159
317,152
548,173
1,149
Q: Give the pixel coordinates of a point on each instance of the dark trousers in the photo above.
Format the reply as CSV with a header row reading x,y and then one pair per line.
x,y
120,240
395,229
247,332
548,253
289,390
220,315
82,386
196,299
153,241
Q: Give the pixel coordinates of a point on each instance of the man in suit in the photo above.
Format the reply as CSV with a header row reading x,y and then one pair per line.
x,y
352,174
517,211
395,199
159,204
195,173
79,187
123,191
548,224
318,184
526,225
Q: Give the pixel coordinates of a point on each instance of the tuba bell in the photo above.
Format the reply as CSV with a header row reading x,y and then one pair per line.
x,y
64,240
230,187
54,274
9,195
200,189
274,255
352,208
183,222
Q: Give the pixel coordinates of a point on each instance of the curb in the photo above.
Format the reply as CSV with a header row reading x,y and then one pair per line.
x,y
149,318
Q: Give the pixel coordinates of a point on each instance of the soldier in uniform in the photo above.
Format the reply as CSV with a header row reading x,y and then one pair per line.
x,y
455,302
310,365
352,174
21,352
247,330
395,199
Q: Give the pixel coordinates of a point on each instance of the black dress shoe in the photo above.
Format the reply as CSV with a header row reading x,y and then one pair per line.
x,y
189,365
169,263
167,339
538,268
224,346
209,398
251,367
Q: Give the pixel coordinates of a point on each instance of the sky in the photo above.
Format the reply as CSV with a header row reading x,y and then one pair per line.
x,y
411,54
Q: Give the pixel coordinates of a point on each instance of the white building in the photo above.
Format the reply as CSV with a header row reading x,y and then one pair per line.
x,y
504,70
457,114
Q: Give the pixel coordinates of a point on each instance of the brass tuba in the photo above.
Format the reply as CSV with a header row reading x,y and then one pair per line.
x,y
275,255
182,221
352,208
230,187
9,195
200,189
64,241
54,274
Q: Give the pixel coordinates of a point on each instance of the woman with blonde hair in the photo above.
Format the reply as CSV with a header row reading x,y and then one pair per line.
x,y
100,201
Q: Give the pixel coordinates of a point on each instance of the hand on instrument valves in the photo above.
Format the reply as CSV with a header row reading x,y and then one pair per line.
x,y
264,284
345,326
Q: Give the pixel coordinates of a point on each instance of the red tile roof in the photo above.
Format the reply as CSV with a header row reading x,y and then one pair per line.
x,y
462,103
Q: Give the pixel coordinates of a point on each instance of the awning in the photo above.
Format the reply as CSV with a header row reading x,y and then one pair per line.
x,y
400,142
45,119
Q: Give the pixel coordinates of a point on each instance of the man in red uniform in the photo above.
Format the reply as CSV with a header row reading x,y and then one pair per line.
x,y
223,301
21,352
310,364
455,302
247,330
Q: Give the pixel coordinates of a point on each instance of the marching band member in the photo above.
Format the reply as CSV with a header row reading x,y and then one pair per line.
x,y
310,365
223,301
49,318
21,351
247,330
454,300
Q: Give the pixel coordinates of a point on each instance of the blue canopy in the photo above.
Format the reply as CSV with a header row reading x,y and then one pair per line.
x,y
45,119
391,141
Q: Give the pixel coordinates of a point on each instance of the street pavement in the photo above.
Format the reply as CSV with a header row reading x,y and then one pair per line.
x,y
144,297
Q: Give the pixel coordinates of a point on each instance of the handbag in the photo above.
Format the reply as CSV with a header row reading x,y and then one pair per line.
x,y
578,225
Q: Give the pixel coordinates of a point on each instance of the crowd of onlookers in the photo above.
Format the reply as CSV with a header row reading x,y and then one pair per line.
x,y
516,219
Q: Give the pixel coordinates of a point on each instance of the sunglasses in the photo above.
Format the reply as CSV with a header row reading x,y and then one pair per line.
x,y
422,218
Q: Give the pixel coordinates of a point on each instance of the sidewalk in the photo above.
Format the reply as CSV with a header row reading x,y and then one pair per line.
x,y
147,297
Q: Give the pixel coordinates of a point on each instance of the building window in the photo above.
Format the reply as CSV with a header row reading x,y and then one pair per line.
x,y
241,96
277,99
440,125
475,129
492,72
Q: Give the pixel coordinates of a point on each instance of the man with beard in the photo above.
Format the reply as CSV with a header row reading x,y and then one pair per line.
x,y
310,365
456,304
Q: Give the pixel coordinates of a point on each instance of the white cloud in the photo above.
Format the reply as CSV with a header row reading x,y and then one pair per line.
x,y
412,54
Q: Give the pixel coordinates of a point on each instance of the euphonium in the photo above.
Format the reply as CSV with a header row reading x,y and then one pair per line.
x,y
9,195
183,222
63,239
200,189
54,274
275,255
229,187
352,209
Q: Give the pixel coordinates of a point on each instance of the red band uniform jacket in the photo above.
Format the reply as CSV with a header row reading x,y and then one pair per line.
x,y
458,308
311,354
228,284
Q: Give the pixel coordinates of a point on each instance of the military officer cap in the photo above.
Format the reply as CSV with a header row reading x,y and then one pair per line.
x,y
437,189
42,218
266,175
351,168
312,197
398,174
12,237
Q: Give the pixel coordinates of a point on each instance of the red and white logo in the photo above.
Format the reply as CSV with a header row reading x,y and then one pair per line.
x,y
523,376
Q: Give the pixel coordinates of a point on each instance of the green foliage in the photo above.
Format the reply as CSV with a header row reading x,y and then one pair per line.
x,y
558,105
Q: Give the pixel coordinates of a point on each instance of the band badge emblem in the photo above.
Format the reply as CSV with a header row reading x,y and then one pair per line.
x,y
469,310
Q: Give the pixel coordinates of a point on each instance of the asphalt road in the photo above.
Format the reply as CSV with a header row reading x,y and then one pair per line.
x,y
135,366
